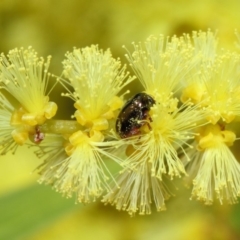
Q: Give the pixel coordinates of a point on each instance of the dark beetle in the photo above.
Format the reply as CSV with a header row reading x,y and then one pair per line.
x,y
130,118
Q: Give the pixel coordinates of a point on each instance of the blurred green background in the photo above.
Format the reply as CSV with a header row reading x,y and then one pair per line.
x,y
32,212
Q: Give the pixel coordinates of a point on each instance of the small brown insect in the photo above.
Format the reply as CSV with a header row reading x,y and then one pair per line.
x,y
130,118
38,136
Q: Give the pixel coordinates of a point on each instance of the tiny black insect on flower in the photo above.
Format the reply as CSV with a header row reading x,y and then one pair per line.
x,y
130,118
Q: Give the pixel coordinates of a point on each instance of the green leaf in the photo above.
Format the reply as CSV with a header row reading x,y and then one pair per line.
x,y
235,217
25,211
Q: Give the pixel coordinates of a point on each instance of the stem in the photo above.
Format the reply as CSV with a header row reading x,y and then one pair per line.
x,y
60,126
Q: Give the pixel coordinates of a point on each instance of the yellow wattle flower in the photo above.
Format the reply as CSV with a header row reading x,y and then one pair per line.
x,y
97,78
25,76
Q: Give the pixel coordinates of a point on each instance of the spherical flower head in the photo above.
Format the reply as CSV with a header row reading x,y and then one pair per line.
x,y
78,165
217,89
169,128
160,64
152,156
213,85
25,76
214,80
217,172
97,78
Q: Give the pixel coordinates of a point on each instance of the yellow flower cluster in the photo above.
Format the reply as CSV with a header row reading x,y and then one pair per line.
x,y
24,76
179,125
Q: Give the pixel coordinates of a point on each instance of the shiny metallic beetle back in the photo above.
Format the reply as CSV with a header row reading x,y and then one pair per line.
x,y
129,119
